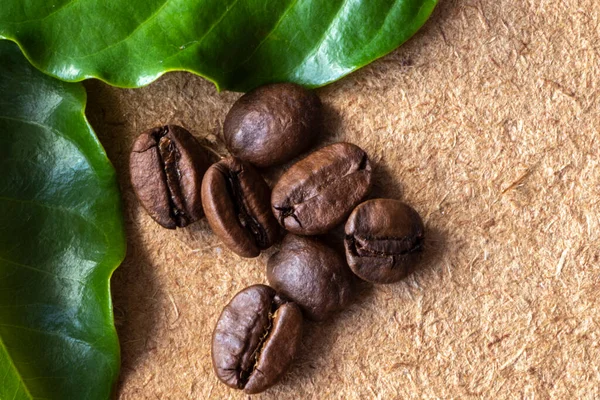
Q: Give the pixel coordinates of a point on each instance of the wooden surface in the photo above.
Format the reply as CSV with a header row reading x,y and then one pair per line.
x,y
487,122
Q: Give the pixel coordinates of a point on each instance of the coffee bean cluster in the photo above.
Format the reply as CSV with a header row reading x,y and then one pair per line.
x,y
259,331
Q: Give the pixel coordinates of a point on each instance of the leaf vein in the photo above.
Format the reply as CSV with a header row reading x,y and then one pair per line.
x,y
60,209
324,36
55,11
57,334
12,362
201,39
143,23
39,270
45,127
279,21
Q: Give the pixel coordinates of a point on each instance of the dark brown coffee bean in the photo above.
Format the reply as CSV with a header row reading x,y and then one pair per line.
x,y
383,240
236,203
167,165
255,340
318,192
272,124
311,274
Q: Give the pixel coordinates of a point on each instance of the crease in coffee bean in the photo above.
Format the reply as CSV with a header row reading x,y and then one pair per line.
x,y
363,162
246,374
245,217
414,245
287,211
169,159
328,182
169,155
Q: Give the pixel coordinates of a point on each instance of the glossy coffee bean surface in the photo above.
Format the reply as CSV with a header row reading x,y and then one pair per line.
x,y
236,203
256,339
272,124
313,275
383,240
167,165
318,192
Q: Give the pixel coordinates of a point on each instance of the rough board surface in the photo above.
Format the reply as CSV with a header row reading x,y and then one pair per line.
x,y
488,123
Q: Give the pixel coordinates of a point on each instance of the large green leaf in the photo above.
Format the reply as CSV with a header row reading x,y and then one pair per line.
x,y
238,44
61,237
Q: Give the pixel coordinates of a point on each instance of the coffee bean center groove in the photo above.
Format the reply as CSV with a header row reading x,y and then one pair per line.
x,y
245,374
414,245
169,159
245,217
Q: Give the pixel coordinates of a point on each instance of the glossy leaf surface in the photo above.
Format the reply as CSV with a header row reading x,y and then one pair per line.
x,y
238,44
61,237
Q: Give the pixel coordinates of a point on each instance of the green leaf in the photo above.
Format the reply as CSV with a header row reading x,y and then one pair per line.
x,y
61,237
237,44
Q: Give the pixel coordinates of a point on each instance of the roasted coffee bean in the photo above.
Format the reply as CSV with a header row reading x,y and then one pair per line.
x,y
383,240
236,203
255,339
313,275
272,124
318,192
167,165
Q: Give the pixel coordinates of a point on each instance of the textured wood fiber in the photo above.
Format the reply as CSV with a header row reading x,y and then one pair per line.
x,y
487,122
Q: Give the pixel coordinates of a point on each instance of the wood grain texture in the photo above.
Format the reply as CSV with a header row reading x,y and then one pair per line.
x,y
487,122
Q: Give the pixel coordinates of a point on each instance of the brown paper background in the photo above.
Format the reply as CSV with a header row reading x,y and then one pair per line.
x,y
487,122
